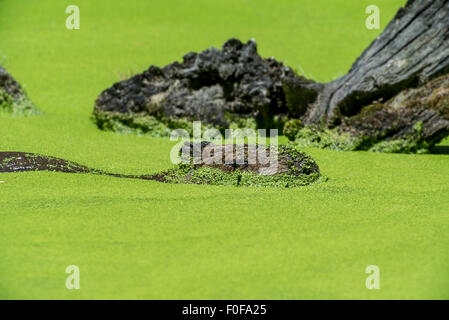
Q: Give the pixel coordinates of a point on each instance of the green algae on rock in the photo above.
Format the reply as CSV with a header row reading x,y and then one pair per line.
x,y
13,98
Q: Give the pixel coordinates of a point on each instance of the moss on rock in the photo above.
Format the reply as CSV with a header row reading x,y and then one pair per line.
x,y
229,88
13,98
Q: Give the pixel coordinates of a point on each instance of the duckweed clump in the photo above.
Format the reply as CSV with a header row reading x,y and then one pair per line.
x,y
345,141
20,106
323,138
159,127
139,123
237,178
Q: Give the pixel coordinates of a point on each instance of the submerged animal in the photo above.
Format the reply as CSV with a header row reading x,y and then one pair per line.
x,y
251,165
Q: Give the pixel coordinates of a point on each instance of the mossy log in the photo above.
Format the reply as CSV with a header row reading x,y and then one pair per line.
x,y
411,122
398,66
413,49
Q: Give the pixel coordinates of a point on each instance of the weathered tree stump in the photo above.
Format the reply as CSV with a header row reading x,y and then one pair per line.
x,y
412,49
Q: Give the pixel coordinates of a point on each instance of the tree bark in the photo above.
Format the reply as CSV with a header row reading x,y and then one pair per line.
x,y
413,49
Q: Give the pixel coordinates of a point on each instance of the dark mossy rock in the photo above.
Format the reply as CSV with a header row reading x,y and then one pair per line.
x,y
13,98
231,87
244,165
